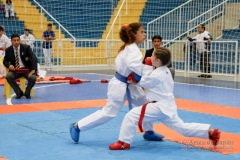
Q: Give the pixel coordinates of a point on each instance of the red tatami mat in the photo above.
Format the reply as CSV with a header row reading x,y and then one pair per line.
x,y
46,80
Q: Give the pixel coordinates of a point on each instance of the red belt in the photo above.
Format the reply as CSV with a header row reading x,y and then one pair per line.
x,y
142,116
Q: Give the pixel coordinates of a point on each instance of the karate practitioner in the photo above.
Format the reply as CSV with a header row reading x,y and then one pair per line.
x,y
27,38
9,8
4,43
128,60
159,85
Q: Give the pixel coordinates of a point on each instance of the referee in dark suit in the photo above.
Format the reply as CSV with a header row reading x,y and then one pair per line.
x,y
157,42
20,56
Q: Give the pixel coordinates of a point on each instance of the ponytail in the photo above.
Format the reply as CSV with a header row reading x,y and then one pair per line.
x,y
127,34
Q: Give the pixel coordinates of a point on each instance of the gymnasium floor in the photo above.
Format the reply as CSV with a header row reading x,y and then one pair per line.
x,y
38,129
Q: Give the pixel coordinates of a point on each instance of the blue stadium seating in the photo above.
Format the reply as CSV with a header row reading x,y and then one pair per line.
x,y
234,35
11,25
222,56
91,20
155,9
89,14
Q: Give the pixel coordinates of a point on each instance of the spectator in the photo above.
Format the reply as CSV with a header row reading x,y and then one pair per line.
x,y
9,8
4,43
28,38
2,7
203,48
21,62
157,42
48,36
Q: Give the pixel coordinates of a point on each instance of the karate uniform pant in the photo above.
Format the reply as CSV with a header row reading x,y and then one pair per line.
x,y
112,109
2,71
9,11
42,73
153,114
47,52
2,68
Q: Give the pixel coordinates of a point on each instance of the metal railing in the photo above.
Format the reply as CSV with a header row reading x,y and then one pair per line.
x,y
59,24
173,25
224,57
159,25
215,14
118,16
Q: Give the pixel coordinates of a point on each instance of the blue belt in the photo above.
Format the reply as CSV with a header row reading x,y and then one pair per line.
x,y
124,80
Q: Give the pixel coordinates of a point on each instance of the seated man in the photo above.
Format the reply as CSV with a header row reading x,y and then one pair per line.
x,y
21,62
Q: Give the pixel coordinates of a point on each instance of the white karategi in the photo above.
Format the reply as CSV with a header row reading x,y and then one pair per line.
x,y
203,48
159,85
41,73
28,39
129,60
201,39
4,43
9,8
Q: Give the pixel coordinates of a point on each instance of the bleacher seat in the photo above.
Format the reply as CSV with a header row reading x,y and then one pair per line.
x,y
11,25
155,9
91,20
234,35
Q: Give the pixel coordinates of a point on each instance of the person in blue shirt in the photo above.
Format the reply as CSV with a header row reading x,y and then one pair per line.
x,y
48,36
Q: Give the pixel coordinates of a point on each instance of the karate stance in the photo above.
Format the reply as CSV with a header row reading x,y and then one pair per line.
x,y
159,85
128,60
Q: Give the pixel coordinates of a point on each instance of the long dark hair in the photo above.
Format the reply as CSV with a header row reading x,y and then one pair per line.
x,y
9,1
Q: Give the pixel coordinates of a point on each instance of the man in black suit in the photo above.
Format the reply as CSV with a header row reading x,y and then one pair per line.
x,y
157,42
21,62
